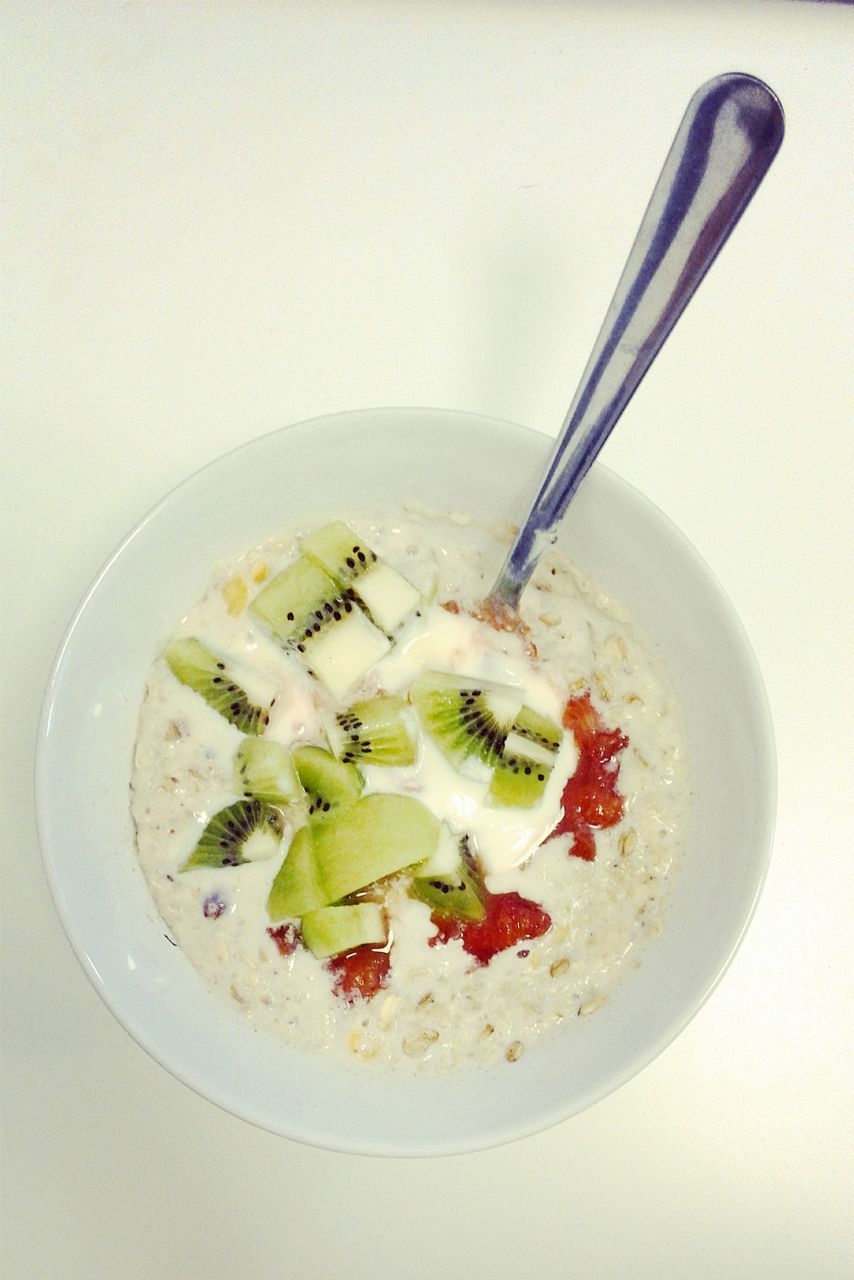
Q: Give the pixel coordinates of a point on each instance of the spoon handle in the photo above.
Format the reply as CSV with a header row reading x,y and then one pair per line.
x,y
728,137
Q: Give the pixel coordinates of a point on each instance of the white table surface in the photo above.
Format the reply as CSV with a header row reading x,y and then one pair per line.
x,y
223,217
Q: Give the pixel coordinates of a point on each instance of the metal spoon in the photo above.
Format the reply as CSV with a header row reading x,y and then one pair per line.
x,y
728,137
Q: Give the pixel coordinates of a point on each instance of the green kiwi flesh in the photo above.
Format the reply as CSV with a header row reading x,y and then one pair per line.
x,y
329,931
447,882
297,888
307,613
339,551
376,731
534,736
444,858
247,831
464,716
386,595
521,775
329,784
368,840
205,673
456,896
264,769
373,838
517,782
289,603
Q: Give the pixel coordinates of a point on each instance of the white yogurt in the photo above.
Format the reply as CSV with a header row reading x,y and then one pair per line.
x,y
439,1008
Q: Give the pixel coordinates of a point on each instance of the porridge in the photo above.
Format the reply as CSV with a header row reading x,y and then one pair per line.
x,y
385,829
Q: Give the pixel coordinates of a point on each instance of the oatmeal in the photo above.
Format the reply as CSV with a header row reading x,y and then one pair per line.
x,y
525,872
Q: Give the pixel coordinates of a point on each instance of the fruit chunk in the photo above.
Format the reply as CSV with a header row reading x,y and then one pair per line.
x,y
347,558
330,930
444,858
306,611
297,887
205,673
286,938
517,783
360,973
534,736
522,773
247,831
329,784
363,842
289,603
447,882
375,731
235,595
509,918
465,716
341,655
590,798
457,895
264,769
373,838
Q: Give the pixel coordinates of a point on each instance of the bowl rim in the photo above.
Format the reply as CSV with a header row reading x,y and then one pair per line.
x,y
766,815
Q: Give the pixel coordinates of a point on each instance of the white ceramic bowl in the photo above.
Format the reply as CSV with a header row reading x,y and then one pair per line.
x,y
324,468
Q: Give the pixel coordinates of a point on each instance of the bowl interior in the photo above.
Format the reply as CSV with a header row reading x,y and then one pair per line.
x,y
325,468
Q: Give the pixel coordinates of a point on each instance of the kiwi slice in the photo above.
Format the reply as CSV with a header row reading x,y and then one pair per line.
x,y
290,602
375,731
464,716
517,782
372,838
447,882
386,595
329,931
534,736
264,769
521,775
458,895
444,858
329,784
201,670
297,888
375,837
247,831
307,613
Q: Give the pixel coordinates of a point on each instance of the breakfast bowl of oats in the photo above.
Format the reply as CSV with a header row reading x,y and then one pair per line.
x,y
353,858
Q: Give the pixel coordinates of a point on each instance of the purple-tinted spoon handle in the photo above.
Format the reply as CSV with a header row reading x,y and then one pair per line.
x,y
728,137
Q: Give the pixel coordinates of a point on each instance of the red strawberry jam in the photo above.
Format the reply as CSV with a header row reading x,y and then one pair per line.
x,y
362,972
590,797
509,919
286,937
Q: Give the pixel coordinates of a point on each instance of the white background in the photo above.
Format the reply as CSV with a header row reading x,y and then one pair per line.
x,y
223,217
